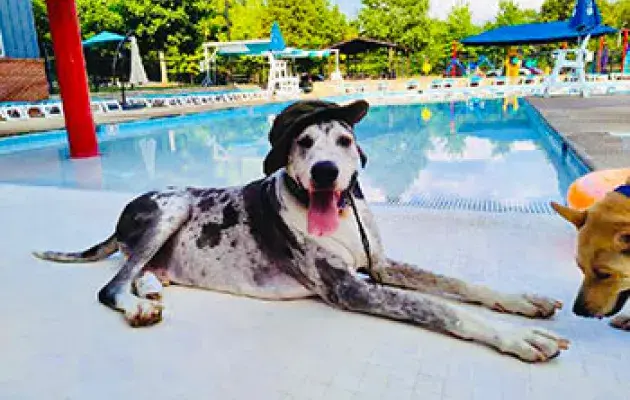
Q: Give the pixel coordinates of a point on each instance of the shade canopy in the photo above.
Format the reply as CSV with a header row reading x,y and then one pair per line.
x,y
292,52
586,20
361,45
243,47
103,37
256,47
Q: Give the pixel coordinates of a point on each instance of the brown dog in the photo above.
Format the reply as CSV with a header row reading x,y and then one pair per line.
x,y
603,255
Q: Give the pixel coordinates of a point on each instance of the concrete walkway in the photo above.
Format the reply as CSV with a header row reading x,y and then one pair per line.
x,y
587,125
57,342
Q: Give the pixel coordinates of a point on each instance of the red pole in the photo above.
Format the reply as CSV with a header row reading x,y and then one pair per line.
x,y
625,50
453,58
70,66
599,54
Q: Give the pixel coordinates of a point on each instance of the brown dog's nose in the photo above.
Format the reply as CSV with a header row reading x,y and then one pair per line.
x,y
324,174
579,308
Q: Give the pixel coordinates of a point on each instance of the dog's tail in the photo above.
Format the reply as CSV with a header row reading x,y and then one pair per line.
x,y
94,253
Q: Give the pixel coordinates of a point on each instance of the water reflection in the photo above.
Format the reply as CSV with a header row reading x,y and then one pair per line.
x,y
479,149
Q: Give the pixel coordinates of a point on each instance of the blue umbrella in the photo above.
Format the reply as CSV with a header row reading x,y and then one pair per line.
x,y
277,41
585,20
103,37
585,16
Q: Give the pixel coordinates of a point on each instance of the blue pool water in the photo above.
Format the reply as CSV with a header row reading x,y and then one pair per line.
x,y
476,154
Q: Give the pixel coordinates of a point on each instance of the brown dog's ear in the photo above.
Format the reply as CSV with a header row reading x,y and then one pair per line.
x,y
362,157
628,180
576,217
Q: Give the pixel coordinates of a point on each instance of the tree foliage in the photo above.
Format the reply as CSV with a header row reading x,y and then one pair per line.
x,y
179,27
556,10
510,13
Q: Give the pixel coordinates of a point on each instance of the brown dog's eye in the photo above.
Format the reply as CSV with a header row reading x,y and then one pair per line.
x,y
344,141
305,142
601,274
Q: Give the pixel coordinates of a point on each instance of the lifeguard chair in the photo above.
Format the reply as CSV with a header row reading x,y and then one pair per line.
x,y
281,82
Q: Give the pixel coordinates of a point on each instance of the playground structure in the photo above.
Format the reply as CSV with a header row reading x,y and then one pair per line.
x,y
513,65
585,22
624,72
474,67
457,68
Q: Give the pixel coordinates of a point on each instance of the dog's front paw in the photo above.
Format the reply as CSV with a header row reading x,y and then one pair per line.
x,y
145,313
148,286
533,345
621,321
532,306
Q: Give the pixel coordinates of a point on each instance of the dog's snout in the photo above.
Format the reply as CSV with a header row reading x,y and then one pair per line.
x,y
324,173
579,307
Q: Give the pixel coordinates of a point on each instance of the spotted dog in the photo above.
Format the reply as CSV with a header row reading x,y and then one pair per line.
x,y
305,230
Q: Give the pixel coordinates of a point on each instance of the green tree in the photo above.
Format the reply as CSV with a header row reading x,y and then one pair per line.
x,y
306,24
177,27
510,13
246,19
459,25
556,10
94,15
405,22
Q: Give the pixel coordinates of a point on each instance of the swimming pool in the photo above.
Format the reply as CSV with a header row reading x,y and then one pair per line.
x,y
478,155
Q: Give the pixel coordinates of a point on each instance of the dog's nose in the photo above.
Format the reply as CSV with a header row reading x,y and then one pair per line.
x,y
324,173
580,310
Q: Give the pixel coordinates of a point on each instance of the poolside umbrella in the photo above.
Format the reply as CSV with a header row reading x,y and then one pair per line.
x,y
103,37
277,41
138,75
586,20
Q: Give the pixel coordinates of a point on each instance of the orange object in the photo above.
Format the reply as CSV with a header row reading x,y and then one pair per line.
x,y
590,188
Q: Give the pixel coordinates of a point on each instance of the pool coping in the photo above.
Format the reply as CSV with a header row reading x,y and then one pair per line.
x,y
578,152
585,124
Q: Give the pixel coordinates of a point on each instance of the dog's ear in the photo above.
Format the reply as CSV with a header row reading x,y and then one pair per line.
x,y
576,217
362,157
628,180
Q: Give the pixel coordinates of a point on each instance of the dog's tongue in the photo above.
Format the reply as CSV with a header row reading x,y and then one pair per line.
x,y
323,215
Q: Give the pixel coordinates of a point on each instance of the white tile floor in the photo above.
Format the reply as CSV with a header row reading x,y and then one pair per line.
x,y
57,342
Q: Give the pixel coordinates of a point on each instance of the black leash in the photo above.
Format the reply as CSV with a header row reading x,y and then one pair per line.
x,y
364,238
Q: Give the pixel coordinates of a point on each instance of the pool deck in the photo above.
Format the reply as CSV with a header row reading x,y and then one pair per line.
x,y
57,342
587,124
9,128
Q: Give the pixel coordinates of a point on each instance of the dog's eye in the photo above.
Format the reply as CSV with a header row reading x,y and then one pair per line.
x,y
305,142
344,141
601,274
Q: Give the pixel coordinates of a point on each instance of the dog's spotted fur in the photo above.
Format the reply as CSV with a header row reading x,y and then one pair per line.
x,y
253,241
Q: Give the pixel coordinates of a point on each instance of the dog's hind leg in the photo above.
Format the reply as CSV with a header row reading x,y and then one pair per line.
x,y
143,230
408,276
340,288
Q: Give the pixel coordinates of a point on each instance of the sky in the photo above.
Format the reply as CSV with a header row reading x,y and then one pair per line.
x,y
482,10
